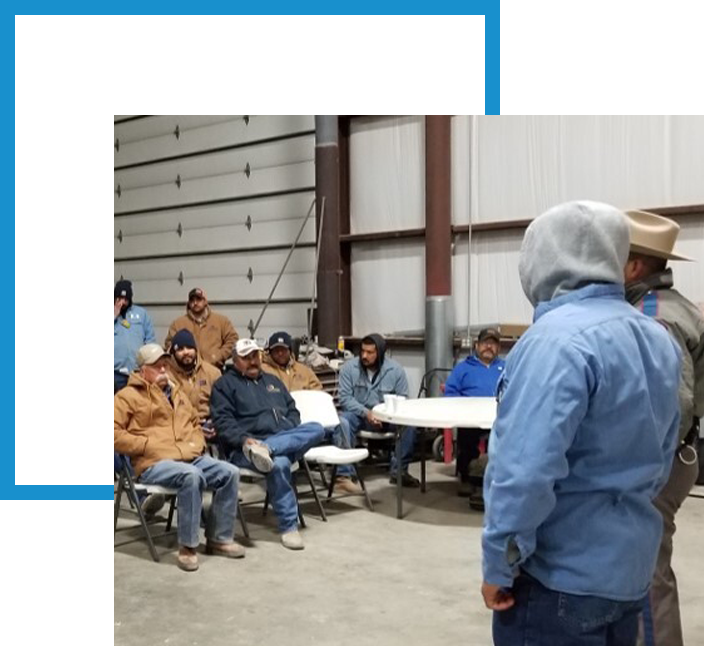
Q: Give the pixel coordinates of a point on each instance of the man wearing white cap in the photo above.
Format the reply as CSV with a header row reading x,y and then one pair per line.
x,y
649,287
259,427
158,428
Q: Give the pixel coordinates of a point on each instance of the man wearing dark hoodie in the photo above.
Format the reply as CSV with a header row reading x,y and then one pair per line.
x,y
133,329
586,429
363,384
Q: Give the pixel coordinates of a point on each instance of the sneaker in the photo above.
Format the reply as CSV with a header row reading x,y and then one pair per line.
x,y
230,550
343,484
258,455
152,504
187,559
292,540
407,480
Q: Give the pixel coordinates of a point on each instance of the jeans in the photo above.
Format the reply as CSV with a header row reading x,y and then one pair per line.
x,y
286,447
120,381
542,617
191,478
346,437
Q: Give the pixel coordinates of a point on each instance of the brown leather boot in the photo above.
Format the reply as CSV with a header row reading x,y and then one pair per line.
x,y
187,559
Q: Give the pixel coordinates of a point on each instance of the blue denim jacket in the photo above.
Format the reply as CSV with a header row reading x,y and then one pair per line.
x,y
358,394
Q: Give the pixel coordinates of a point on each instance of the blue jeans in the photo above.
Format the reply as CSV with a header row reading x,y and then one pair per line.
x,y
542,617
346,437
285,447
191,478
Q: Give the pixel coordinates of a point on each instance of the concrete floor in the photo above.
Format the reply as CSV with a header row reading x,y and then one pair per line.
x,y
363,579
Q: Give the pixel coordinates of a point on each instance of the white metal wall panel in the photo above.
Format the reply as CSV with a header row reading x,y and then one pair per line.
x,y
496,292
527,164
218,208
278,166
272,221
387,174
223,277
155,137
388,287
689,276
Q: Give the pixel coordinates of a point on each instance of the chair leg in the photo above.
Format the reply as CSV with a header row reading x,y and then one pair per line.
x,y
301,520
142,519
170,518
118,500
323,479
306,469
332,481
422,461
266,503
243,522
364,488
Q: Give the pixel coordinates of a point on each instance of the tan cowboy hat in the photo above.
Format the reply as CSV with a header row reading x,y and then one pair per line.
x,y
653,235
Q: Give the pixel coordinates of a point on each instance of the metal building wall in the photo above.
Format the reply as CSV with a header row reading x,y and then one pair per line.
x,y
215,202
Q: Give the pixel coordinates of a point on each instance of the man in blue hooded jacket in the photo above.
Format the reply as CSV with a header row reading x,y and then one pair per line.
x,y
586,429
363,384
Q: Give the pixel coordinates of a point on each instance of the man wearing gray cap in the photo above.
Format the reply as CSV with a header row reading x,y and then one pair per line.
x,y
158,428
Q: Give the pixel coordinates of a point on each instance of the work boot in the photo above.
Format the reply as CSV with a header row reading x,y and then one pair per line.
x,y
230,550
187,559
407,480
466,489
344,484
292,540
152,504
258,455
476,501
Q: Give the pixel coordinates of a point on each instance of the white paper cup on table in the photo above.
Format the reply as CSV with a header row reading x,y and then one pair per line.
x,y
390,403
399,401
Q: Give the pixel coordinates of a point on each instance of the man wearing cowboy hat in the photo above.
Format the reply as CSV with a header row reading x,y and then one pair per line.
x,y
649,287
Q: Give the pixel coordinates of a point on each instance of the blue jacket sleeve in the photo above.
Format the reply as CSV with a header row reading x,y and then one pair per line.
x,y
149,336
401,382
453,385
527,453
346,392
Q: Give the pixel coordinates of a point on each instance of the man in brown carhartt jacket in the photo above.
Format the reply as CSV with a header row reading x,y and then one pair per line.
x,y
280,362
156,426
193,375
213,332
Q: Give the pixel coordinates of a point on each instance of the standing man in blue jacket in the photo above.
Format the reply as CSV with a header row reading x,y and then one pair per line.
x,y
476,376
586,429
259,427
363,384
133,329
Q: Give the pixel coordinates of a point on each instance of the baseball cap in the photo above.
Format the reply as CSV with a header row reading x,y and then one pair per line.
x,y
243,347
150,354
489,333
278,339
196,292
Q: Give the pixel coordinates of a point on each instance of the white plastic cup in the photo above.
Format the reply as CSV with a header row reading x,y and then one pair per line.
x,y
390,403
397,404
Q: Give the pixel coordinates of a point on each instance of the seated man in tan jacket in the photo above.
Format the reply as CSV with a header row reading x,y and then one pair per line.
x,y
280,362
158,428
194,375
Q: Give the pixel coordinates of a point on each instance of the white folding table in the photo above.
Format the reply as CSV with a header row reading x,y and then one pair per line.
x,y
434,412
